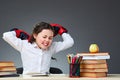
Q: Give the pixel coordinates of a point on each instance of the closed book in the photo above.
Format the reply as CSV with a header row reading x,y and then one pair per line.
x,y
93,74
94,56
93,70
94,61
6,63
10,75
8,68
104,65
8,72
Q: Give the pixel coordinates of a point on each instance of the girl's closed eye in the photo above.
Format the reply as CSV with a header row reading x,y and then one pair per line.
x,y
44,36
50,38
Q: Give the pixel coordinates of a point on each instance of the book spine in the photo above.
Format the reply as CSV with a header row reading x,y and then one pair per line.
x,y
8,68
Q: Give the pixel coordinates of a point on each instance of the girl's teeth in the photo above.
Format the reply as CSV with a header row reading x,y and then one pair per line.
x,y
45,44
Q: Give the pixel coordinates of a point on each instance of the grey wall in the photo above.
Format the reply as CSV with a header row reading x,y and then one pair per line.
x,y
88,21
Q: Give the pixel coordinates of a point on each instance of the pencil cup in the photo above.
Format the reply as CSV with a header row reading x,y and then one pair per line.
x,y
74,71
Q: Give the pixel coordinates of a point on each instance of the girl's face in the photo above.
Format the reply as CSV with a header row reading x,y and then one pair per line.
x,y
44,38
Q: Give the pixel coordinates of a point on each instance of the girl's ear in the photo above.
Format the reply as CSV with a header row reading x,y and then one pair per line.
x,y
34,35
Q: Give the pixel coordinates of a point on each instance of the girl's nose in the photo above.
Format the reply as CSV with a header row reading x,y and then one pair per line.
x,y
47,39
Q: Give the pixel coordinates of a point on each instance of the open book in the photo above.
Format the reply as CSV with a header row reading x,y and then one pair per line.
x,y
38,74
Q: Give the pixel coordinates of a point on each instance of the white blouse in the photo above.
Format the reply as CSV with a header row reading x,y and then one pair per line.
x,y
34,59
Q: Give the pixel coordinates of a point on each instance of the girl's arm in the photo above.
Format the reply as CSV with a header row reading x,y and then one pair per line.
x,y
65,44
67,39
10,38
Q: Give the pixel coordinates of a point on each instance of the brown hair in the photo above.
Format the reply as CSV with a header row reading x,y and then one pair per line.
x,y
38,28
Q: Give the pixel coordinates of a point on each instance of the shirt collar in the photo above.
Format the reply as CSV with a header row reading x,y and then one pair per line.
x,y
36,46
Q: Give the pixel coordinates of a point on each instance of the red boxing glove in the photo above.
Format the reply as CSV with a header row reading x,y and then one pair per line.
x,y
59,29
21,34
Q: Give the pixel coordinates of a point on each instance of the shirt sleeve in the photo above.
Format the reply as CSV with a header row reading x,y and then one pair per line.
x,y
65,44
10,38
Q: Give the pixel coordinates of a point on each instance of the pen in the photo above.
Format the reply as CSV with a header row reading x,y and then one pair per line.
x,y
80,59
68,58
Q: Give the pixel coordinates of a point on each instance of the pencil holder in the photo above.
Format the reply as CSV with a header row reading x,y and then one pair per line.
x,y
74,71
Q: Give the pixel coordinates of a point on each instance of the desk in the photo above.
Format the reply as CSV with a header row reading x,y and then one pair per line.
x,y
62,77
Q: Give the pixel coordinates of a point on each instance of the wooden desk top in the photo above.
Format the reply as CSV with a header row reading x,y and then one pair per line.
x,y
61,77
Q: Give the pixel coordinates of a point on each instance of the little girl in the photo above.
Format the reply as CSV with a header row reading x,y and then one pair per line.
x,y
37,52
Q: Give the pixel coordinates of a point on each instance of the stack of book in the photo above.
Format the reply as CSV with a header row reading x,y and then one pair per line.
x,y
94,65
7,68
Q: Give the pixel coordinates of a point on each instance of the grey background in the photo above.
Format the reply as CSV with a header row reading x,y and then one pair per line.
x,y
88,21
